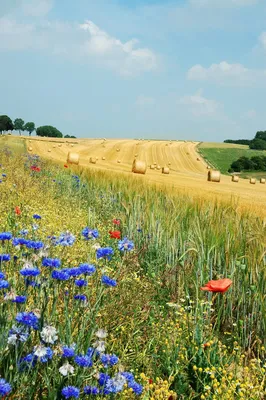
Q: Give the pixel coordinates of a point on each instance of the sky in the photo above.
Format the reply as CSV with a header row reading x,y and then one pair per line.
x,y
177,69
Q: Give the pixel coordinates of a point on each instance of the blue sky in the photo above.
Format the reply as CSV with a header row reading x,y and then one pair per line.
x,y
184,69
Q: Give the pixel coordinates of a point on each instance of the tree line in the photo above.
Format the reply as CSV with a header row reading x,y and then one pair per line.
x,y
257,143
6,125
256,163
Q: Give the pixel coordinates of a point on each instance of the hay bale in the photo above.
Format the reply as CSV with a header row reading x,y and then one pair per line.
x,y
73,158
93,160
49,150
198,159
152,166
30,149
158,167
54,146
252,181
103,158
139,167
235,178
72,145
208,167
119,161
136,155
262,180
169,163
29,141
165,170
97,158
117,149
60,145
214,176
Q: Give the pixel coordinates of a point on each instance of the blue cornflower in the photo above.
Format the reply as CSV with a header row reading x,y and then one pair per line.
x,y
37,216
19,299
5,387
81,282
104,252
29,271
5,235
73,272
68,352
129,376
19,241
103,378
125,245
108,281
31,244
109,360
28,319
91,390
4,175
136,387
80,297
60,275
4,257
17,334
51,262
83,361
27,362
70,391
87,269
116,384
65,239
2,275
4,284
90,233
30,282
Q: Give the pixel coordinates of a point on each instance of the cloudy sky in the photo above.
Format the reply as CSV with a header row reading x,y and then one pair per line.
x,y
184,69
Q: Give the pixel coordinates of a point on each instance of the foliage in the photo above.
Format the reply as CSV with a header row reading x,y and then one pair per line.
x,y
238,141
6,123
249,164
177,341
69,137
29,127
261,135
48,131
258,144
19,125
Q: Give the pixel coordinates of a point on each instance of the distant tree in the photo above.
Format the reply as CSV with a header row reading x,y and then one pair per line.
x,y
69,137
29,127
19,125
6,123
48,131
238,141
249,164
258,144
260,135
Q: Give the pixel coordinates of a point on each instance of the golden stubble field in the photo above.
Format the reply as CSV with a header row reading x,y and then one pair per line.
x,y
187,173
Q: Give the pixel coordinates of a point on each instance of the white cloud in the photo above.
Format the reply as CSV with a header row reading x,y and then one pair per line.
x,y
37,8
222,3
118,55
145,101
199,105
262,40
85,42
227,74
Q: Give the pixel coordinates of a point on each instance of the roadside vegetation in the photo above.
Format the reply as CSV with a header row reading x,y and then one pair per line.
x,y
100,289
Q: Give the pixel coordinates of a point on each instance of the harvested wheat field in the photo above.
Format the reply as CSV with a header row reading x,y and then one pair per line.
x,y
188,171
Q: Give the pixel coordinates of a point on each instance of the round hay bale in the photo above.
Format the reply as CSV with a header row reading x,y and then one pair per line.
x,y
30,149
214,176
158,167
235,178
169,163
49,150
60,145
97,158
165,170
29,141
166,144
198,159
136,155
73,158
262,180
72,145
93,160
252,181
152,166
103,158
119,161
54,146
117,149
139,167
208,167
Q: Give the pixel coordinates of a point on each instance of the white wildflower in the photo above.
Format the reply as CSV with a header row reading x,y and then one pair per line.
x,y
40,351
101,334
66,369
99,345
49,334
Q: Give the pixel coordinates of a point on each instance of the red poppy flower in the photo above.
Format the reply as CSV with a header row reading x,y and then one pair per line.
x,y
115,234
116,221
219,285
17,210
34,168
150,381
65,165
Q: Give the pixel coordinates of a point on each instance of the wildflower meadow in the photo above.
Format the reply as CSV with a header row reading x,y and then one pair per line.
x,y
110,288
